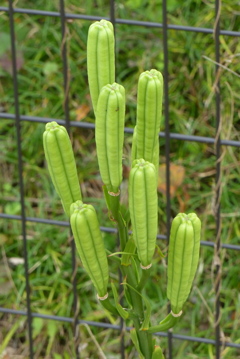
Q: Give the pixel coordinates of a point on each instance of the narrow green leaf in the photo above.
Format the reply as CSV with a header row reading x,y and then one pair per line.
x,y
160,253
10,334
112,256
123,253
128,252
122,312
134,338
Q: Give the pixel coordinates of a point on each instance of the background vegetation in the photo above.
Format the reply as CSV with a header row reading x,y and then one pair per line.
x,y
192,112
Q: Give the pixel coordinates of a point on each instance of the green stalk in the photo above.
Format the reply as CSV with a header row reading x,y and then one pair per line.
x,y
123,231
113,204
144,338
108,305
144,278
165,324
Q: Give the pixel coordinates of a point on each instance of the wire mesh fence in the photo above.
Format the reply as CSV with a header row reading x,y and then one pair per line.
x,y
217,141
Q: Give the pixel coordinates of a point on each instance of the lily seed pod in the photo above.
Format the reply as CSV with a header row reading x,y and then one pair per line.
x,y
157,353
143,208
61,164
90,246
182,258
149,113
110,118
100,58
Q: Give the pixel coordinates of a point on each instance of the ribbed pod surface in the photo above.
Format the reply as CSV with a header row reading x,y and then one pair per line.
x,y
100,58
149,113
61,164
182,258
110,118
89,243
143,208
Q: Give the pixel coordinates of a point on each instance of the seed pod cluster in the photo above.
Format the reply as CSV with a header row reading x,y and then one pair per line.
x,y
110,118
149,113
182,258
61,164
100,58
143,208
89,243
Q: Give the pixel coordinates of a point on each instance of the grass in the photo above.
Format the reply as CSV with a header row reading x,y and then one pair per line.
x,y
192,112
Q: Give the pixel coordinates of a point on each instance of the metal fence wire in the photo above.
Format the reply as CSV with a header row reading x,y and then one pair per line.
x,y
217,141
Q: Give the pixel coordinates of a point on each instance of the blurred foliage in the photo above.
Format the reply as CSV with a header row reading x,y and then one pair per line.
x,y
192,111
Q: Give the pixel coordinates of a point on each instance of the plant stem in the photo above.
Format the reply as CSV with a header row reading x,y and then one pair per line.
x,y
108,305
113,204
144,279
144,338
123,231
165,324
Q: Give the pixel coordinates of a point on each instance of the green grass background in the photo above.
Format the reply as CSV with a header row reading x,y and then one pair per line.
x,y
192,112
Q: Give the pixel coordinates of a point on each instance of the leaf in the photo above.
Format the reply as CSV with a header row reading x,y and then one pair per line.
x,y
134,338
13,208
147,315
37,324
160,253
50,68
177,175
52,328
122,312
172,5
82,112
129,250
123,253
57,356
134,4
18,324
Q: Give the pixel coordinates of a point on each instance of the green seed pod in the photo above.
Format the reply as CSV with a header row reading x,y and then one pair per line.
x,y
149,113
89,243
183,258
100,58
110,117
61,164
157,353
143,208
